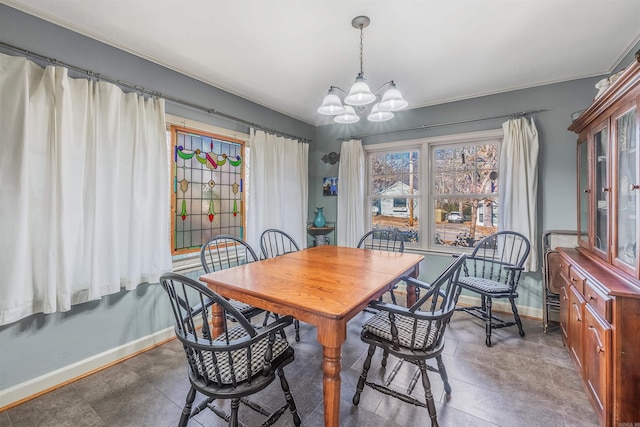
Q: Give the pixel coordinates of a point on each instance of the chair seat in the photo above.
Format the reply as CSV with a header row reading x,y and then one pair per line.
x,y
242,307
380,326
486,286
239,357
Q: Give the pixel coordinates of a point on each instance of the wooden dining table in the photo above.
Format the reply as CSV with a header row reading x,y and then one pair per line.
x,y
324,286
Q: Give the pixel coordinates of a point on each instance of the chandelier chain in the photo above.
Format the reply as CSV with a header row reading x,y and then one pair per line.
x,y
361,39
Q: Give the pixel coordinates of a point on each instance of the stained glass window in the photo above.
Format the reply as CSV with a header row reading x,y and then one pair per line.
x,y
208,188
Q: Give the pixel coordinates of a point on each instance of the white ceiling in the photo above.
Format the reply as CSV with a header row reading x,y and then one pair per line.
x,y
285,54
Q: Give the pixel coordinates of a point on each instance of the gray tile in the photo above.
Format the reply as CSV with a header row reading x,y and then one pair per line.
x,y
61,408
144,406
4,419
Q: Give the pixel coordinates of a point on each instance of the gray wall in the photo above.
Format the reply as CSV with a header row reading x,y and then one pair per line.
x,y
42,343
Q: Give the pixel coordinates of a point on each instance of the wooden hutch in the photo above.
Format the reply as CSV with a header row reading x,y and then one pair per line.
x,y
600,293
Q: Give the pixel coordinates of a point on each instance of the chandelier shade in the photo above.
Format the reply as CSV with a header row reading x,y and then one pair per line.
x,y
378,115
360,94
349,116
331,104
392,100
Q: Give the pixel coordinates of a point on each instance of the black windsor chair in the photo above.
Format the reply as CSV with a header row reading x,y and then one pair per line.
x,y
383,240
225,251
414,335
274,243
493,271
237,363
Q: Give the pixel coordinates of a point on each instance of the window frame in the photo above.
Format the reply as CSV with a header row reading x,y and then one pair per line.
x,y
426,196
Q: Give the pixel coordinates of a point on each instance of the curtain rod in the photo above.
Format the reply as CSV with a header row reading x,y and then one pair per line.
x,y
133,87
512,115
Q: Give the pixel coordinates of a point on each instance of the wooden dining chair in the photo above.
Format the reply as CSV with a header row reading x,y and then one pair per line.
x,y
493,271
413,335
239,362
273,243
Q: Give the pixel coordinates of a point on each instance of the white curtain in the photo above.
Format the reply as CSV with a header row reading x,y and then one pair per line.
x,y
278,187
84,194
351,202
518,194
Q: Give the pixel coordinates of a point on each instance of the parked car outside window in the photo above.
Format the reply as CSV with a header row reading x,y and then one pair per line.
x,y
455,216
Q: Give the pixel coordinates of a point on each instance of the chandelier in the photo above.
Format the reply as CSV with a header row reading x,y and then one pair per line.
x,y
360,96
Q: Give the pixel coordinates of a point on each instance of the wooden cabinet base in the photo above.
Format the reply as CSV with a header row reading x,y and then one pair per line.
x,y
600,319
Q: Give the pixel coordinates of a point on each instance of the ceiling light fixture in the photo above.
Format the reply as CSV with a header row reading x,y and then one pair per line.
x,y
360,95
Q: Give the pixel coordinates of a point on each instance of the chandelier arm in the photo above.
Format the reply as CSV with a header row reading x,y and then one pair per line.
x,y
390,82
336,87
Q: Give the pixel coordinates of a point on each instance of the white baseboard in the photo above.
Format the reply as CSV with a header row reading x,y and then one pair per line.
x,y
67,373
503,306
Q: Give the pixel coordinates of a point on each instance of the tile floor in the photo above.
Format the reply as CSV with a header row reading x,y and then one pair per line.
x,y
525,382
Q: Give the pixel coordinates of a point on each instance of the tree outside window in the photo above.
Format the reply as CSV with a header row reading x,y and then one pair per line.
x,y
465,180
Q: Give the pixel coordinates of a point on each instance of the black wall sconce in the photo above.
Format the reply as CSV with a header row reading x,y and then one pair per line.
x,y
331,158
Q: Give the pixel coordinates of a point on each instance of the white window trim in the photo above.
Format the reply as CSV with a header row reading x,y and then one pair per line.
x,y
172,120
424,146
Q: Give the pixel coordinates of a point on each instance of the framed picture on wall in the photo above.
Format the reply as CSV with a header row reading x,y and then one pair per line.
x,y
330,186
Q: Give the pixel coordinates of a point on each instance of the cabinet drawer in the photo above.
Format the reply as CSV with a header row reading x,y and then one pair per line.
x,y
599,301
564,268
577,280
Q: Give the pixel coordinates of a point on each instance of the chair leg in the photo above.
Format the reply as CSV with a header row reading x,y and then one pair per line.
x,y
289,397
363,376
431,406
443,375
487,324
186,411
296,325
516,316
233,419
385,356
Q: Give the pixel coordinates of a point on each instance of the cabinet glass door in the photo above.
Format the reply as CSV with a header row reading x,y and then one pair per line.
x,y
627,189
583,193
601,192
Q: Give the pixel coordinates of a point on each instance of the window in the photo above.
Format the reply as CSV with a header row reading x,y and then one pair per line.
x,y
208,188
394,191
454,179
464,192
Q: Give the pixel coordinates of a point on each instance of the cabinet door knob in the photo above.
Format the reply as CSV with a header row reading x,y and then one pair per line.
x,y
635,187
605,189
586,190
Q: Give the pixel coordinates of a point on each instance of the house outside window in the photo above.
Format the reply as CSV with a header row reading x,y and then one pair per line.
x,y
440,193
394,191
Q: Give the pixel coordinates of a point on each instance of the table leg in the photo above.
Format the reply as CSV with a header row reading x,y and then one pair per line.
x,y
411,289
332,334
331,365
216,320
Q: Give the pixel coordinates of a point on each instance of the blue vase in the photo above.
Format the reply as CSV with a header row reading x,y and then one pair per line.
x,y
319,221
